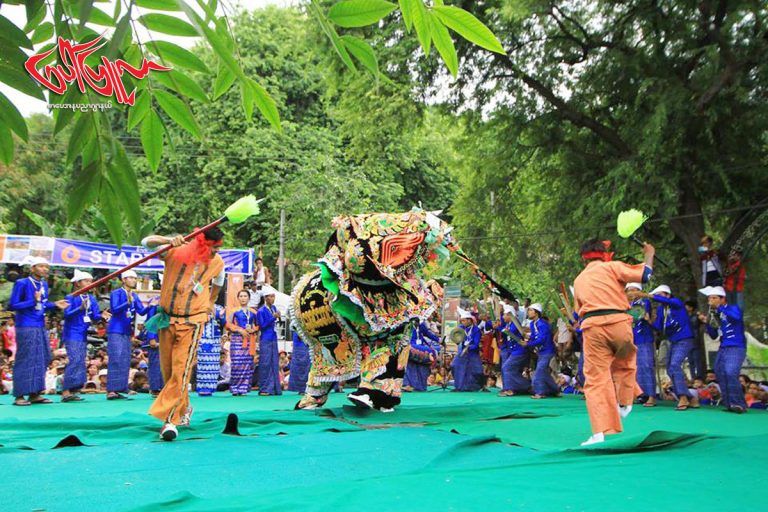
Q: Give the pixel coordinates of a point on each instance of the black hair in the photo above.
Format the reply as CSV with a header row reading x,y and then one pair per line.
x,y
215,234
592,245
691,303
246,291
258,259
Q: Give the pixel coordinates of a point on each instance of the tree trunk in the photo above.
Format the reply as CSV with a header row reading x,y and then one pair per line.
x,y
689,229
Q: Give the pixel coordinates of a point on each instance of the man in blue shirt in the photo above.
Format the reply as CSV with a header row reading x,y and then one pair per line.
x,y
124,305
672,322
83,310
642,336
727,323
467,367
540,338
29,299
514,356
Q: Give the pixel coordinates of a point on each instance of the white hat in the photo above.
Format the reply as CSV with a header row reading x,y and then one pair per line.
x,y
634,286
536,307
103,373
128,273
463,313
509,309
36,260
267,290
160,277
80,275
661,289
713,290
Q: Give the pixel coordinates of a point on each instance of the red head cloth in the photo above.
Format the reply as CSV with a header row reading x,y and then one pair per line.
x,y
599,255
197,251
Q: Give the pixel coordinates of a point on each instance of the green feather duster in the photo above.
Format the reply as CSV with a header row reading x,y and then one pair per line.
x,y
240,210
629,222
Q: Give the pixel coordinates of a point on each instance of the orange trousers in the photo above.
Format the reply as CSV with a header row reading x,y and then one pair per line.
x,y
610,369
178,351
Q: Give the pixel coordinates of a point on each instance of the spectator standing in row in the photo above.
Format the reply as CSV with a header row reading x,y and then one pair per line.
x,y
711,270
269,356
242,346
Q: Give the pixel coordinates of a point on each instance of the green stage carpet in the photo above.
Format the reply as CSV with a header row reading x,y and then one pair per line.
x,y
439,451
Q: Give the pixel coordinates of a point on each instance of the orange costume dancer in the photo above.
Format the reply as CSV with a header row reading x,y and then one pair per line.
x,y
610,365
192,280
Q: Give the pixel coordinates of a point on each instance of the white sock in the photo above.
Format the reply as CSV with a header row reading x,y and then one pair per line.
x,y
594,439
624,410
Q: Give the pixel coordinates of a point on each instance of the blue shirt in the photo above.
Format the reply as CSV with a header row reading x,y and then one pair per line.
x,y
541,336
641,328
266,319
297,341
82,311
472,341
510,334
672,319
731,331
123,312
145,336
214,327
421,337
29,311
244,318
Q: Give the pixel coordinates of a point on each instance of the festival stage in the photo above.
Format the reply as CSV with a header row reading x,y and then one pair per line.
x,y
439,451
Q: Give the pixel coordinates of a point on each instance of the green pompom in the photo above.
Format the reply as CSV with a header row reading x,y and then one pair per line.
x,y
629,222
240,210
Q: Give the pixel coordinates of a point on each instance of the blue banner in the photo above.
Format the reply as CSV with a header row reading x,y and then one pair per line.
x,y
76,253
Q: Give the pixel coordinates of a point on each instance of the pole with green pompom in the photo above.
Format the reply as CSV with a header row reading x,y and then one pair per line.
x,y
627,225
237,213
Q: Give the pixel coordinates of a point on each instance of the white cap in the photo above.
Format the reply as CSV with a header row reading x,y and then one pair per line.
x,y
634,286
80,275
509,309
536,307
713,290
661,289
103,373
267,290
463,313
160,277
36,260
128,273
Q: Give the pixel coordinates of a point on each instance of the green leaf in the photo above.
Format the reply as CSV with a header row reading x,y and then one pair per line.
x,y
64,115
224,81
468,27
423,27
407,8
359,13
266,105
140,108
85,184
12,118
158,5
40,222
6,145
42,33
183,84
13,34
20,80
330,32
81,132
92,152
119,36
152,139
126,186
84,9
168,25
247,98
363,52
112,218
35,14
178,111
444,45
177,55
94,15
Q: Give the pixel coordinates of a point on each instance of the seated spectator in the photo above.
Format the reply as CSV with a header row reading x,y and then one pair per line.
x,y
103,380
756,397
714,393
140,383
566,384
711,377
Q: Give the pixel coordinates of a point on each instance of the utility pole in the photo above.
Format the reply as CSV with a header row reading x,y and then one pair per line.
x,y
281,256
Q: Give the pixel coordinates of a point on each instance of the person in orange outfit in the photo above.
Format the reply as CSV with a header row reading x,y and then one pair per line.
x,y
610,365
192,280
